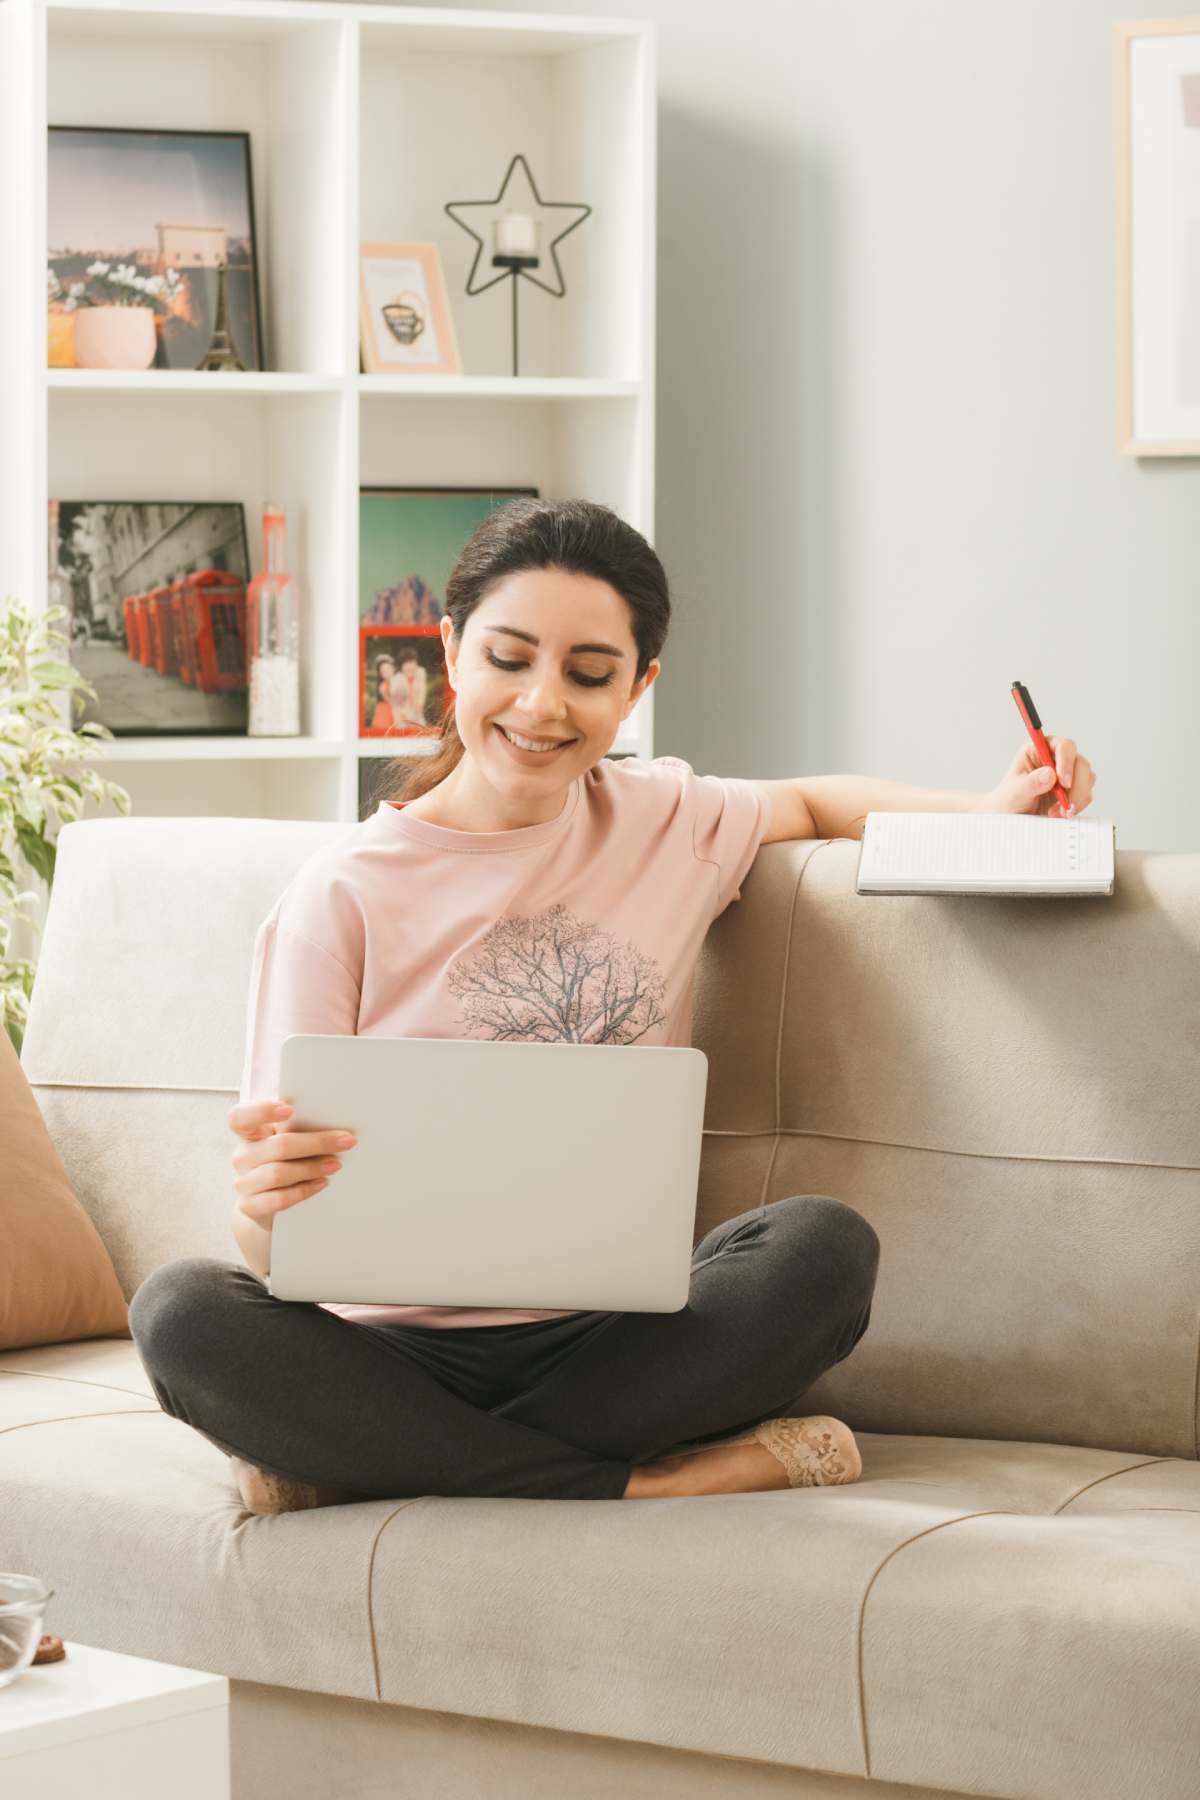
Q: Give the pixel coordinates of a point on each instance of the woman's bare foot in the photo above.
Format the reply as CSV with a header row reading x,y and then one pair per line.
x,y
263,1492
725,1469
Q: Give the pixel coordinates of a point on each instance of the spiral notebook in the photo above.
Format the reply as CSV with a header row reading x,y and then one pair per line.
x,y
985,853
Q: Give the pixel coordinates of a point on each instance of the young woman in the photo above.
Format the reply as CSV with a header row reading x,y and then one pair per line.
x,y
520,884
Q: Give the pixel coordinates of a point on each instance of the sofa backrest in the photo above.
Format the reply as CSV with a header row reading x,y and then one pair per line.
x,y
1005,1088
137,1020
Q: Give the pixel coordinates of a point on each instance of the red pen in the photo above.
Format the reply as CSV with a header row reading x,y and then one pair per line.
x,y
1033,725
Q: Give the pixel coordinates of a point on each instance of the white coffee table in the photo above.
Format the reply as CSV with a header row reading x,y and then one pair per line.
x,y
103,1726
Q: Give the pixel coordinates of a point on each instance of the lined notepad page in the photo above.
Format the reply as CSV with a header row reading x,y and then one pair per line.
x,y
1002,850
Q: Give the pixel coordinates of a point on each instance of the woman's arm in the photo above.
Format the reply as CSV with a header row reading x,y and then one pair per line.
x,y
840,803
829,806
832,806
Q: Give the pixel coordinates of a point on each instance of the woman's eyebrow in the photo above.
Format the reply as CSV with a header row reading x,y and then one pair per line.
x,y
604,649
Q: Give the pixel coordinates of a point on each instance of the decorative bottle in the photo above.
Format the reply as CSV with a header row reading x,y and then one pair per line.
x,y
273,636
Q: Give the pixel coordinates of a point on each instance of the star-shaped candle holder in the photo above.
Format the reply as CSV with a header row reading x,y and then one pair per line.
x,y
515,241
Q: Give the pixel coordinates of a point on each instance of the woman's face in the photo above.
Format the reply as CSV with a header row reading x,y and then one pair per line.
x,y
550,656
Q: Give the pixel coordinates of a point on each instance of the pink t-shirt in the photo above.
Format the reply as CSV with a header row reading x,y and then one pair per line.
x,y
399,929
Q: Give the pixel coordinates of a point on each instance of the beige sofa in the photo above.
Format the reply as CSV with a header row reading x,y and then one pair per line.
x,y
1006,1604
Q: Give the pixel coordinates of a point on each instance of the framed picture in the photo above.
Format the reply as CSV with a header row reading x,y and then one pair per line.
x,y
409,540
156,202
404,312
155,598
402,680
1156,136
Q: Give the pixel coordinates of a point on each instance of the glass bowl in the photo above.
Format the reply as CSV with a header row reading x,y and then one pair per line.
x,y
22,1606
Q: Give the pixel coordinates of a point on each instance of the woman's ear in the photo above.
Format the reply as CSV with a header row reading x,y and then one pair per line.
x,y
640,687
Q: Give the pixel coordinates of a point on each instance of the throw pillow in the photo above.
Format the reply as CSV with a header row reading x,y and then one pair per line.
x,y
57,1281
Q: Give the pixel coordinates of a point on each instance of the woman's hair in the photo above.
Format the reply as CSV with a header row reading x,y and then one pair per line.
x,y
580,537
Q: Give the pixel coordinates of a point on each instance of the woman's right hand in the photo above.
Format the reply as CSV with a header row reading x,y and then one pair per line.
x,y
275,1167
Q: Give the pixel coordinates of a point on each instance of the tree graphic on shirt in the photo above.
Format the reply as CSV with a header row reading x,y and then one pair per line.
x,y
554,978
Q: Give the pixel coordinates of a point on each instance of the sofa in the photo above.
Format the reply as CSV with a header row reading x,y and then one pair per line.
x,y
1006,1604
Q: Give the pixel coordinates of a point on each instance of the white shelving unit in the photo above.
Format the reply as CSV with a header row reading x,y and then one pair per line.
x,y
363,122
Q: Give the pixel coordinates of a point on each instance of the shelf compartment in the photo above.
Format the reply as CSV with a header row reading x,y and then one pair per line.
x,y
589,449
283,77
443,110
226,785
250,448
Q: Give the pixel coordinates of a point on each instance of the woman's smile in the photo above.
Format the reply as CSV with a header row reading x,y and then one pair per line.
x,y
525,749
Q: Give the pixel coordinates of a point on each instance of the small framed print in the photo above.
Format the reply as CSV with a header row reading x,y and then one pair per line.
x,y
1156,133
402,680
404,311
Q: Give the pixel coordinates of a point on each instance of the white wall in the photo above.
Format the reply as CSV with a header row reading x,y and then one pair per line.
x,y
888,481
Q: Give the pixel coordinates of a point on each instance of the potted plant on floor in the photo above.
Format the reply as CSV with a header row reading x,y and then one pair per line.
x,y
40,773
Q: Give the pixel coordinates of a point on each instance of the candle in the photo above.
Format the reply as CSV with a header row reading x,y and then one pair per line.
x,y
516,235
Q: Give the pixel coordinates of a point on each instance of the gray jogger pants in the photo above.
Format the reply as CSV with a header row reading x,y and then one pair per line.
x,y
549,1409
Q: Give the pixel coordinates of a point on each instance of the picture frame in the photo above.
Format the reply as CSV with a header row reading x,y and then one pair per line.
x,y
402,681
165,653
1156,140
161,199
405,323
409,541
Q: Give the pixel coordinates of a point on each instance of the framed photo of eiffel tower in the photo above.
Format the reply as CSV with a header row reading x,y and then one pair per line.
x,y
151,202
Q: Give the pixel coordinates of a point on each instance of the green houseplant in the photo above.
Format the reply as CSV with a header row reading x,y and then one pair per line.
x,y
42,779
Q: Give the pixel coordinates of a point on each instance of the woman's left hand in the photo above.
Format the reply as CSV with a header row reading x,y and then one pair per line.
x,y
1027,787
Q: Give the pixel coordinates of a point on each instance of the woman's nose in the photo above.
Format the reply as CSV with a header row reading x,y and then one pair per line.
x,y
546,699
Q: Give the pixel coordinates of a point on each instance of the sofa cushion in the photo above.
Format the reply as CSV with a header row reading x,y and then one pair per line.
x,y
986,1617
57,1281
135,1521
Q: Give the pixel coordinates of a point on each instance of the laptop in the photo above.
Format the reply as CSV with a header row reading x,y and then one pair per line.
x,y
495,1174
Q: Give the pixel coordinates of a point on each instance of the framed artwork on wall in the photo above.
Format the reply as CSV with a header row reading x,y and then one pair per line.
x,y
1156,139
127,207
406,327
409,541
155,593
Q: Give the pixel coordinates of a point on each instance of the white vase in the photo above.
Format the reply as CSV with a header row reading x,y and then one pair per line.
x,y
114,337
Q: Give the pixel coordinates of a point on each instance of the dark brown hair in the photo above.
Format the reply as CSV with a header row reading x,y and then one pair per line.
x,y
581,537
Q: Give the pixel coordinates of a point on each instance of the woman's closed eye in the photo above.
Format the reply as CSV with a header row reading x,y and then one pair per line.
x,y
584,680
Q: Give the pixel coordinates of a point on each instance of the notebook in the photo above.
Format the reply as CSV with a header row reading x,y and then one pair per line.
x,y
985,853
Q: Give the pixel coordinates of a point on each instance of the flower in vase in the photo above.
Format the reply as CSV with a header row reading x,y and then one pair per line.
x,y
115,284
